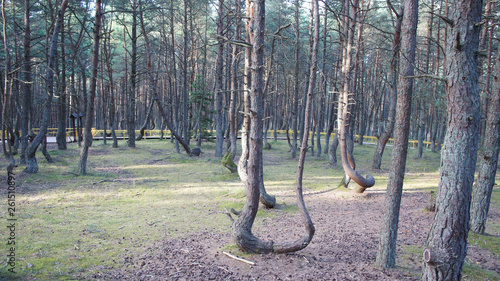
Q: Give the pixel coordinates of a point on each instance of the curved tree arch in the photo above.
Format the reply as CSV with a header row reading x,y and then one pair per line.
x,y
345,107
242,227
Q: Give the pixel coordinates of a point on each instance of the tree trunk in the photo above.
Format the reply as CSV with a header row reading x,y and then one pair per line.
x,y
133,80
219,95
449,229
483,188
233,118
87,134
344,108
295,109
421,131
242,227
27,90
386,256
62,112
6,97
31,163
382,141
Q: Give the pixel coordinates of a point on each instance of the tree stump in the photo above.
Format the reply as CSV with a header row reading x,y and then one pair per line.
x,y
431,204
228,163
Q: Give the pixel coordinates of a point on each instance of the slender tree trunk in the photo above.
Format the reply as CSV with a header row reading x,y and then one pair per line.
x,y
62,112
6,142
243,162
382,141
421,130
295,110
185,90
32,165
233,118
27,90
446,244
219,95
87,135
133,80
483,188
386,256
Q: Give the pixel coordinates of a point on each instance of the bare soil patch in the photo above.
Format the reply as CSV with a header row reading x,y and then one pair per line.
x,y
344,247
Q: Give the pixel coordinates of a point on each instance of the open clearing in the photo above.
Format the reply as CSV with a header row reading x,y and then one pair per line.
x,y
150,213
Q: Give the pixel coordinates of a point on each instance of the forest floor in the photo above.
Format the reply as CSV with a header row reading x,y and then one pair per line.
x,y
151,214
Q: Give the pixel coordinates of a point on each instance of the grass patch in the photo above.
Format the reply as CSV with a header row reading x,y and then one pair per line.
x,y
71,227
474,272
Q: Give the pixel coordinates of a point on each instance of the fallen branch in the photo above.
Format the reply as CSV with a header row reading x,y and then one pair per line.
x,y
238,259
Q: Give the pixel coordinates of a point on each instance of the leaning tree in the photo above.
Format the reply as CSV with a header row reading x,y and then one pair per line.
x,y
31,163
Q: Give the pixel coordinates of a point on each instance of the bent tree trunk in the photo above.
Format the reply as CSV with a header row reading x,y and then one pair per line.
x,y
481,194
242,227
146,121
446,245
344,114
31,163
386,256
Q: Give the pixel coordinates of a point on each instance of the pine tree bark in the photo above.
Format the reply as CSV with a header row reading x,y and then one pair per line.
x,y
87,134
386,256
219,95
62,111
481,194
27,89
446,244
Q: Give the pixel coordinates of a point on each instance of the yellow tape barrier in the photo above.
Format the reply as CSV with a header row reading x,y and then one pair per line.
x,y
52,132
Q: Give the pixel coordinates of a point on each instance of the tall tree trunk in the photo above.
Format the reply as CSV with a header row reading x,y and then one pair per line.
x,y
62,111
446,244
233,118
185,90
386,256
242,227
6,127
393,74
295,109
219,95
133,80
32,165
481,195
27,90
89,116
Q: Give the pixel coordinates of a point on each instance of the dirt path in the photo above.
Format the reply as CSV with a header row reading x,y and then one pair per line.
x,y
344,247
